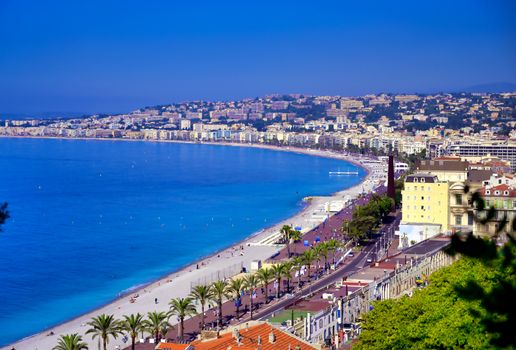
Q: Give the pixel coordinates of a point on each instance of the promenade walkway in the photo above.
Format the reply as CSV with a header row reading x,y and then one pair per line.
x,y
327,230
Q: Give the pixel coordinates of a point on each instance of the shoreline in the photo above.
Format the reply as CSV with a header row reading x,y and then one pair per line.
x,y
249,249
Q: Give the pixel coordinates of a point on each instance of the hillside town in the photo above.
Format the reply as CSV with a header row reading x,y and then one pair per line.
x,y
447,147
463,124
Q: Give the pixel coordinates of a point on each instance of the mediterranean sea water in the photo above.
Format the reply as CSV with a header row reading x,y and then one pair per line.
x,y
91,219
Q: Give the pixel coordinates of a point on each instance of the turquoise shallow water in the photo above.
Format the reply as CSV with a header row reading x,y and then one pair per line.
x,y
91,219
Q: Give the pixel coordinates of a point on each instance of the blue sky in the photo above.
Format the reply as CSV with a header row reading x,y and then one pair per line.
x,y
113,56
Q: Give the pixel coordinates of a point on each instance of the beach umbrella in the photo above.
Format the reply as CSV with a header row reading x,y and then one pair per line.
x,y
298,228
306,244
317,238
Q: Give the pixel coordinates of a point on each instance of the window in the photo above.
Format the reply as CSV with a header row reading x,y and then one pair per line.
x,y
458,199
416,180
415,188
422,198
488,192
458,220
497,193
470,219
422,179
422,207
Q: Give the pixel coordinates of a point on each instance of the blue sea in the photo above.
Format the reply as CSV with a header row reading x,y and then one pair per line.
x,y
91,219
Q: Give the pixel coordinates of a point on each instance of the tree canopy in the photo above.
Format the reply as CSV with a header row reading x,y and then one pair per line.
x,y
438,316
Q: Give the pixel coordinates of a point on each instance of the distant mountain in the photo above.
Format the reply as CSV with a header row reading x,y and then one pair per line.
x,y
492,87
43,115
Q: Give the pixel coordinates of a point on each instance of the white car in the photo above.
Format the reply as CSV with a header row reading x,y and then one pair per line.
x,y
369,260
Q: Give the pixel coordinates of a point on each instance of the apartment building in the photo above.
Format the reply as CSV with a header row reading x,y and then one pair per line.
x,y
505,150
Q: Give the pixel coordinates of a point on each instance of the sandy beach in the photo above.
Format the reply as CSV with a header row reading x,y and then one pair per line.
x,y
224,263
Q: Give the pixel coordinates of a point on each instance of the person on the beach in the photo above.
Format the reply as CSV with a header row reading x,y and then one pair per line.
x,y
155,300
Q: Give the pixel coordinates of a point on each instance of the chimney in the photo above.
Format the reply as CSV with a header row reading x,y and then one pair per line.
x,y
391,189
236,335
272,337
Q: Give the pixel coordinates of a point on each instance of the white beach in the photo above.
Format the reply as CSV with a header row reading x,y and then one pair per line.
x,y
177,284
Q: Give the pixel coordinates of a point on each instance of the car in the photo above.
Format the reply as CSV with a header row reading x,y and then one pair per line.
x,y
369,260
351,254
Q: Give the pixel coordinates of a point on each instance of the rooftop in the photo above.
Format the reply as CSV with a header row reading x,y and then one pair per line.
x,y
262,336
443,165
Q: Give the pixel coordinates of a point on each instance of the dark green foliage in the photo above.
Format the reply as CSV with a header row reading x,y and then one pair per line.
x,y
469,305
366,218
439,316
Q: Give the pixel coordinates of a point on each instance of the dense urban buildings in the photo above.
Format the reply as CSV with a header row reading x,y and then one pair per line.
x,y
464,124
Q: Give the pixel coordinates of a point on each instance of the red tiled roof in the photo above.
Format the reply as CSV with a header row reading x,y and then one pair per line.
x,y
498,191
249,340
173,346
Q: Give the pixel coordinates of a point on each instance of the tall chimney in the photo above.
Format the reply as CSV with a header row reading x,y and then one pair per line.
x,y
391,190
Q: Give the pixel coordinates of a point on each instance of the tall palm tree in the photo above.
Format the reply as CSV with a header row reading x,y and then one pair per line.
x,y
234,289
287,273
289,235
104,326
285,231
333,245
278,271
70,342
308,259
251,282
295,236
202,294
323,252
182,308
155,323
219,293
298,263
133,324
265,276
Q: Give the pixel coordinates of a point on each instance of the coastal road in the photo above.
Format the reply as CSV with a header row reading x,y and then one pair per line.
x,y
358,262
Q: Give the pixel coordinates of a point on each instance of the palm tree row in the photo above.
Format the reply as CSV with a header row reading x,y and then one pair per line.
x,y
157,323
105,326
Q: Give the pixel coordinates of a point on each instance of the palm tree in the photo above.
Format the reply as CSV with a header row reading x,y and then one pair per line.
x,y
182,307
289,236
295,236
265,276
202,294
308,258
251,282
333,245
104,326
219,293
322,252
235,288
155,323
133,324
298,263
278,271
285,231
287,273
70,342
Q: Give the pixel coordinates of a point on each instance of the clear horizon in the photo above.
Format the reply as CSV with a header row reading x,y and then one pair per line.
x,y
99,57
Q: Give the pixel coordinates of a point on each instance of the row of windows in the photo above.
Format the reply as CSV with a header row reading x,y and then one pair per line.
x,y
504,205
